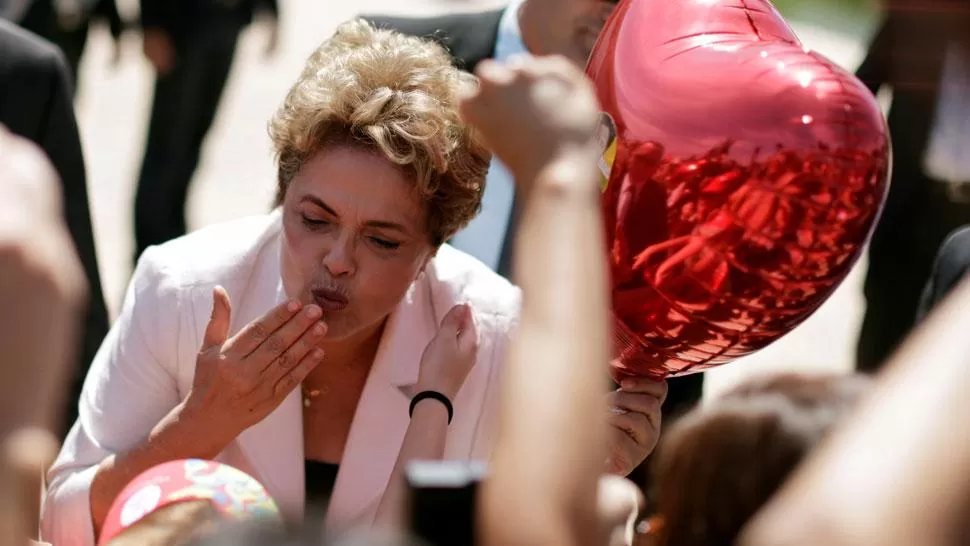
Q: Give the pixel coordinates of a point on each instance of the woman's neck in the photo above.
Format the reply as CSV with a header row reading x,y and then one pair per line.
x,y
357,351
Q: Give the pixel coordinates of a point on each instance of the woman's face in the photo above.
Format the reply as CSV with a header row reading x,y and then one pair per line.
x,y
354,238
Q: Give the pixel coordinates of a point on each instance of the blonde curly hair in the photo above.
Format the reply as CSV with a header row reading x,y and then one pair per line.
x,y
398,96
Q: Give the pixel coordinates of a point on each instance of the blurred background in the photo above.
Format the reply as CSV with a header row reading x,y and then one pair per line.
x,y
236,176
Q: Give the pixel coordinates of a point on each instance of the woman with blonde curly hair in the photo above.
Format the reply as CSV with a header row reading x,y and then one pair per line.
x,y
355,339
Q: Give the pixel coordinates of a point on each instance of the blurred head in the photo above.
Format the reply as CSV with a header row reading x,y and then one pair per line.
x,y
376,171
721,462
173,525
564,27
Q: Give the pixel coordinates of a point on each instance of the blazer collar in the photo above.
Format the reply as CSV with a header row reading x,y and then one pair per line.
x,y
382,418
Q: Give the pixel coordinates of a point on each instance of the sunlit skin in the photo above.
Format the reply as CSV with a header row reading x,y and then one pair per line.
x,y
352,223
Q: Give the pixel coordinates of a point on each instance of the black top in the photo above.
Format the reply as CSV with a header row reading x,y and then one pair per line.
x,y
320,479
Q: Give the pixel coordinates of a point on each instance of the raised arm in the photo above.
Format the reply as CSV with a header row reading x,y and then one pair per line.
x,y
540,118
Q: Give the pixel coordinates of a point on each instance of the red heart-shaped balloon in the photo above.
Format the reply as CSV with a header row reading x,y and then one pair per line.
x,y
745,176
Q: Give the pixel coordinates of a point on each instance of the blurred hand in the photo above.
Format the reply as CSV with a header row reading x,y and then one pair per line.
x,y
534,111
24,457
240,380
450,355
70,14
635,421
272,24
42,287
618,504
159,50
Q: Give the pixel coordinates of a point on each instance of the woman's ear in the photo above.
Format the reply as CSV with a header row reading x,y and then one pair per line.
x,y
426,261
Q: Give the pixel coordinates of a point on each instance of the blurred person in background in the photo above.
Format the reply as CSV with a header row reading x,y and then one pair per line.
x,y
897,471
191,45
355,338
921,51
723,461
43,292
530,27
35,103
66,24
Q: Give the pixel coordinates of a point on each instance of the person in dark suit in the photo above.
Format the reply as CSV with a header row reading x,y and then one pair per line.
x,y
191,44
951,266
539,27
69,29
923,54
35,103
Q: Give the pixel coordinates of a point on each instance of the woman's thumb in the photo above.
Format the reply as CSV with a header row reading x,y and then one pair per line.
x,y
217,331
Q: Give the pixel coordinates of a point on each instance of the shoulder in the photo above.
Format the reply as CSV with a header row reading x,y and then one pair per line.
x,y
452,24
24,51
494,300
954,255
217,254
468,37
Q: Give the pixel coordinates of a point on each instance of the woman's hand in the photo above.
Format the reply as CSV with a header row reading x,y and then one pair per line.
x,y
634,422
533,112
241,380
451,354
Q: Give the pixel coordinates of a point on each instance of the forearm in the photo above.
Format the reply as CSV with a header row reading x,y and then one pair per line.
x,y
424,440
555,379
175,437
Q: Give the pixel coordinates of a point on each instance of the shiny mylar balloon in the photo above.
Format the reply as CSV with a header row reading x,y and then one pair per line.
x,y
742,177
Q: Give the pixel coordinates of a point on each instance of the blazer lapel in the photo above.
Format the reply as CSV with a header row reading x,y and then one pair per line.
x,y
382,418
273,448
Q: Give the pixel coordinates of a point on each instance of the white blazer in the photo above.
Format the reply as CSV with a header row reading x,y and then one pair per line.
x,y
146,365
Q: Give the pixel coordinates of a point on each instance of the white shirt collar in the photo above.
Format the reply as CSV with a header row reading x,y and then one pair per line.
x,y
509,40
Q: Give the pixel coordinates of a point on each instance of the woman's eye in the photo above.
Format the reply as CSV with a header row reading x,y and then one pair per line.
x,y
313,222
389,245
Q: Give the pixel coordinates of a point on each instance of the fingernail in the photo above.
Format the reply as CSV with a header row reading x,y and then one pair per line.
x,y
628,384
314,312
293,306
317,354
615,410
319,330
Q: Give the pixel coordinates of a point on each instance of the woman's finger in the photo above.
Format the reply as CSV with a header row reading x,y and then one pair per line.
x,y
296,352
290,381
644,404
256,332
635,425
217,330
275,345
468,332
646,386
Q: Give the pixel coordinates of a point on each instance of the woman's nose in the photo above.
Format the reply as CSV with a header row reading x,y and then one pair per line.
x,y
339,261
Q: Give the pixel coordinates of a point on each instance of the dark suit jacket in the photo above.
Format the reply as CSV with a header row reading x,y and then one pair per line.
x,y
183,17
907,54
951,266
469,37
41,17
35,102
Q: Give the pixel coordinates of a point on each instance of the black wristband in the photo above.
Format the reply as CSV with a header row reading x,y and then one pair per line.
x,y
434,395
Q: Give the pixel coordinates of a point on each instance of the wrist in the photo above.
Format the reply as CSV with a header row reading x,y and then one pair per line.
x,y
189,432
570,172
431,404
